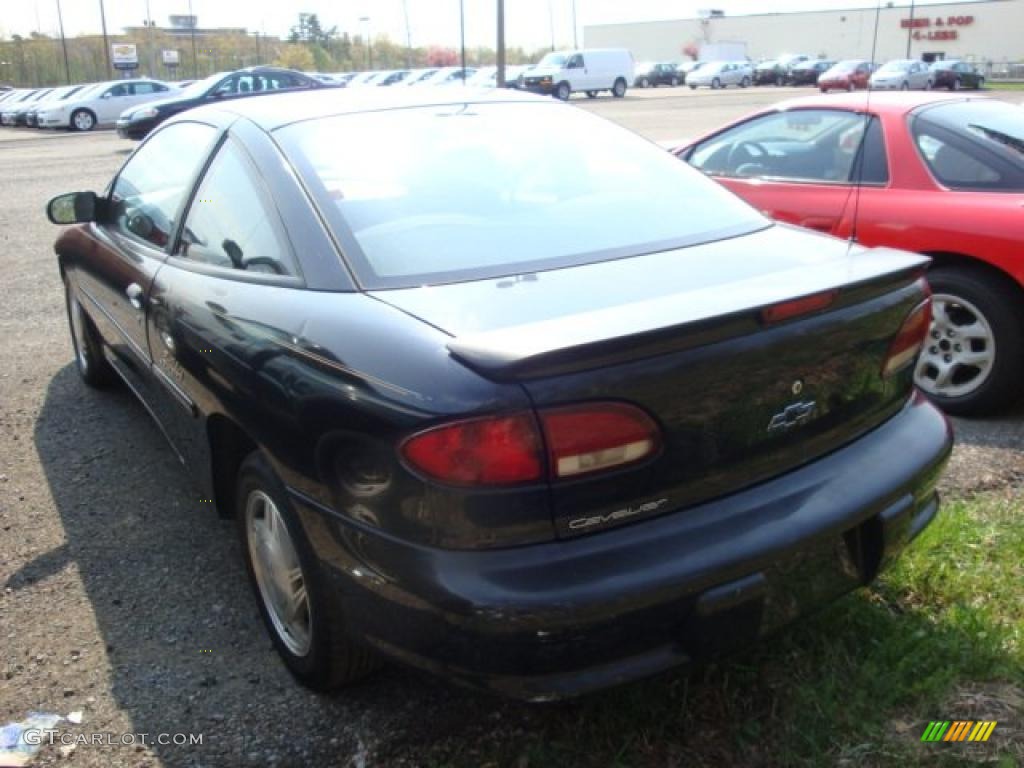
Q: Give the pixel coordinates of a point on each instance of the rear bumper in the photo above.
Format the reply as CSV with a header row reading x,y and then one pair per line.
x,y
562,618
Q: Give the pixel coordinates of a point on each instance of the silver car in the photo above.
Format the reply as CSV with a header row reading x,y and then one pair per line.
x,y
902,75
721,74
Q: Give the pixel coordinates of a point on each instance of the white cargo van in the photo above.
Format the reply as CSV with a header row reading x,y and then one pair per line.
x,y
562,73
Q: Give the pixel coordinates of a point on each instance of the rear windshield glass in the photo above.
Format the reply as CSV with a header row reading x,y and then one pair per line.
x,y
460,192
976,144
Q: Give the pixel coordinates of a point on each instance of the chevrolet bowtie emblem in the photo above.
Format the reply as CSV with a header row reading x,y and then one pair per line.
x,y
793,415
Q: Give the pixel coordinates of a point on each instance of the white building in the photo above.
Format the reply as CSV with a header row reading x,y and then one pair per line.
x,y
988,31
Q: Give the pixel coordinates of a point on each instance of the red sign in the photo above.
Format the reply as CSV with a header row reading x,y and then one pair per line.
x,y
949,21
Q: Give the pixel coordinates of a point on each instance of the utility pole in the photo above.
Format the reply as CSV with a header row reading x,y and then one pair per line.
x,y
500,59
462,37
910,28
106,42
64,44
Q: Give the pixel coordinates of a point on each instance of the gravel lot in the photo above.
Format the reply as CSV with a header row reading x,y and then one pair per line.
x,y
123,597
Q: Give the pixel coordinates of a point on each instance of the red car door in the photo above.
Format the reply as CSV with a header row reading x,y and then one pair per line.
x,y
799,166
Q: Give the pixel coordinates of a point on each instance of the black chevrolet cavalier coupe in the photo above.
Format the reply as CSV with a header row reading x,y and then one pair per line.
x,y
479,407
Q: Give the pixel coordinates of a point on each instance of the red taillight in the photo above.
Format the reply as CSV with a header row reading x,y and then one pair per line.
x,y
805,305
597,436
501,450
908,342
507,450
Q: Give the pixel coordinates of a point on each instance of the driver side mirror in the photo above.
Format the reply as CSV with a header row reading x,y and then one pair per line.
x,y
73,208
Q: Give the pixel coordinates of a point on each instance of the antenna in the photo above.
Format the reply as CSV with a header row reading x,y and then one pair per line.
x,y
858,162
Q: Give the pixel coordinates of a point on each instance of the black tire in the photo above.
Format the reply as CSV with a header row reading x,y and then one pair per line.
x,y
1000,305
332,659
716,84
780,80
823,90
980,83
674,82
693,87
850,87
745,82
644,82
591,94
905,86
82,120
563,91
956,85
90,362
619,88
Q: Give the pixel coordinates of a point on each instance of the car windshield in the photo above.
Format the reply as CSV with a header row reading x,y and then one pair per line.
x,y
467,191
895,66
553,60
200,87
845,66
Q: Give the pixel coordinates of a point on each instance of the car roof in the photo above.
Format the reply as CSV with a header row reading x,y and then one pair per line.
x,y
274,111
896,102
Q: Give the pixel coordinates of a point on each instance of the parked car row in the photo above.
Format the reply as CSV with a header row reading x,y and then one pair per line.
x,y
471,76
78,107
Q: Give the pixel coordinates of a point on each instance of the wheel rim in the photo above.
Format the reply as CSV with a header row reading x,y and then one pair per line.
x,y
77,316
960,350
83,121
279,576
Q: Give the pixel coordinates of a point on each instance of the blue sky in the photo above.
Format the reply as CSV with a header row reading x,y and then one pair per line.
x,y
530,23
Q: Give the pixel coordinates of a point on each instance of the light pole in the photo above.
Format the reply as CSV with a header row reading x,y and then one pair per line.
x,y
462,37
192,31
152,46
64,44
500,59
408,35
575,41
910,28
551,25
366,35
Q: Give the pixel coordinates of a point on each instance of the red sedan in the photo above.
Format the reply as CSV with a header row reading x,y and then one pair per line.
x,y
938,174
846,76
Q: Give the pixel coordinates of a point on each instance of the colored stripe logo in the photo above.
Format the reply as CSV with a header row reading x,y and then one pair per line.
x,y
958,730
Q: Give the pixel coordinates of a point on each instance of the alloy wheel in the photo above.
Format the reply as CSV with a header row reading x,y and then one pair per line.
x,y
279,575
960,350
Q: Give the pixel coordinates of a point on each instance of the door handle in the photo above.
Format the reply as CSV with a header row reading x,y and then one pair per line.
x,y
135,295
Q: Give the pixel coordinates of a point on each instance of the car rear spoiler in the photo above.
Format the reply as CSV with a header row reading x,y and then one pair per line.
x,y
653,326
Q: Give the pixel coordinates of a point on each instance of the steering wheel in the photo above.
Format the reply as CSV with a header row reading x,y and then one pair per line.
x,y
264,261
745,153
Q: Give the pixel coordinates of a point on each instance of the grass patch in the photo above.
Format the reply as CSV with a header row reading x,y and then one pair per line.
x,y
996,85
940,636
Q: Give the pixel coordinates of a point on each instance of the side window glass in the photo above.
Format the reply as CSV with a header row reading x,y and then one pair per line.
x,y
151,187
141,89
231,224
228,87
804,145
955,165
116,91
